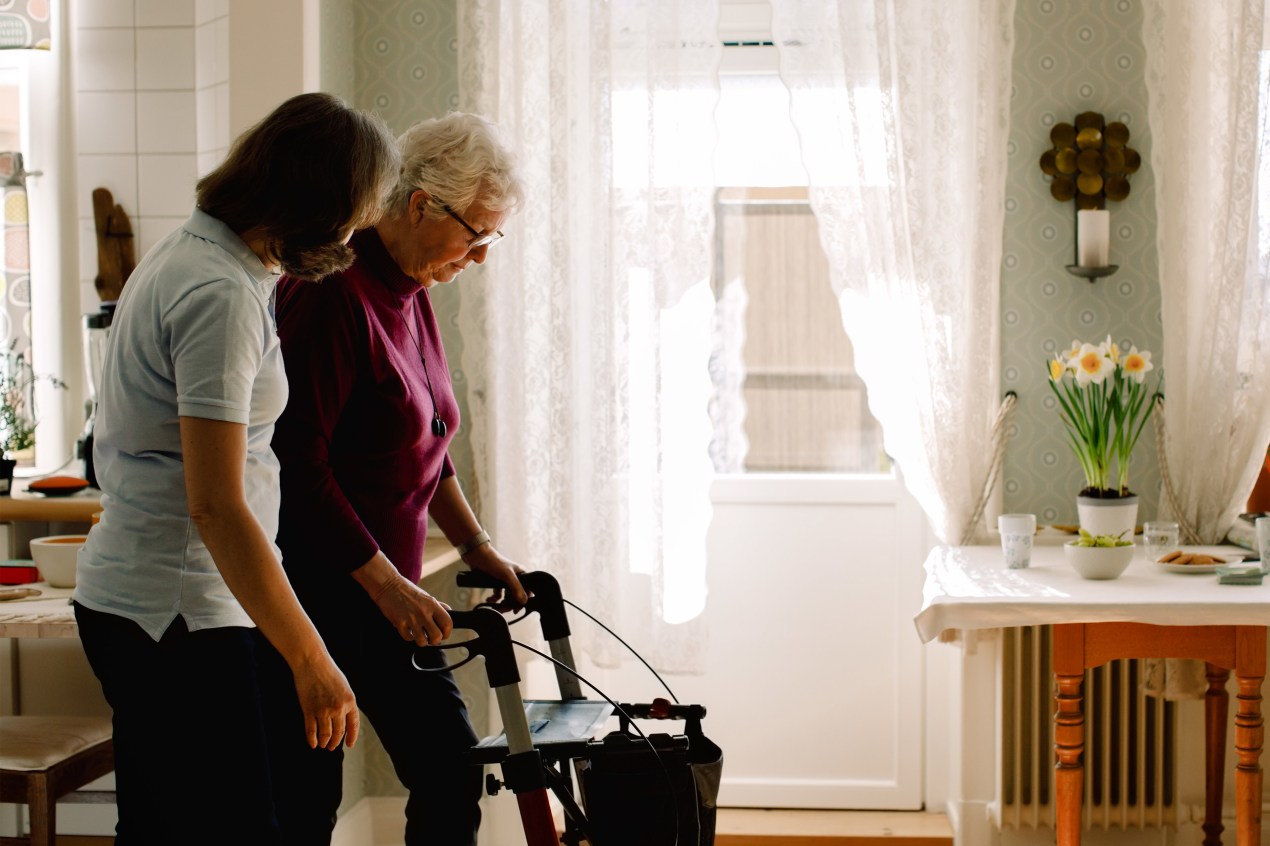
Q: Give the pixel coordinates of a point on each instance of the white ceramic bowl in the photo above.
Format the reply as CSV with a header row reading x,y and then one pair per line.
x,y
55,557
1098,562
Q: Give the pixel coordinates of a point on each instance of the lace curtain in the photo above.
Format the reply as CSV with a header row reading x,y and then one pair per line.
x,y
1207,110
589,387
903,115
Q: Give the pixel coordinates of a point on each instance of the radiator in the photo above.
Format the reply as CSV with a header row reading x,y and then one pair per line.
x,y
1130,742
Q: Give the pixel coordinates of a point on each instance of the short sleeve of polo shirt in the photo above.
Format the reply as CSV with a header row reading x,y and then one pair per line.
x,y
217,343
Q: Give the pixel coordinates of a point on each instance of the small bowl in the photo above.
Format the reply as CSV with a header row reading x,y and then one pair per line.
x,y
58,485
55,556
1098,562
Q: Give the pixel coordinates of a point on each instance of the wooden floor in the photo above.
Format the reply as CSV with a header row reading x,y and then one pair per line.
x,y
750,827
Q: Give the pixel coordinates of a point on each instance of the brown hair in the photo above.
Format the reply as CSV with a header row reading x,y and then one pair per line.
x,y
302,177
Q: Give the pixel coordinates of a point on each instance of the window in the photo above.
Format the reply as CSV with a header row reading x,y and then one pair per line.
x,y
787,397
40,290
783,360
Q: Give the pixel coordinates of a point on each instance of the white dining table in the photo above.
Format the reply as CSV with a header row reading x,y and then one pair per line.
x,y
969,587
1147,612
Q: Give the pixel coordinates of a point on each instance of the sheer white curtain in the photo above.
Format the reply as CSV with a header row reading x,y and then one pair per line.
x,y
1208,158
902,110
587,333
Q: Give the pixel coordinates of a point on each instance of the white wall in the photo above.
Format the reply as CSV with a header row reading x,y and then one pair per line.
x,y
162,88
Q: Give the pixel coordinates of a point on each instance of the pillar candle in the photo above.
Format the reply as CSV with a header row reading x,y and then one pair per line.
x,y
1093,238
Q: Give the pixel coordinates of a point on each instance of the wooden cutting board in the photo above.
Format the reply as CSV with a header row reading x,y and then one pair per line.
x,y
116,253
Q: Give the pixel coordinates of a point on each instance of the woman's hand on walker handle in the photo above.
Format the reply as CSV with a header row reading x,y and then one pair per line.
x,y
415,614
489,561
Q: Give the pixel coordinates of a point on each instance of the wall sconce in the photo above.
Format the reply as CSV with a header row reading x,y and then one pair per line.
x,y
1090,163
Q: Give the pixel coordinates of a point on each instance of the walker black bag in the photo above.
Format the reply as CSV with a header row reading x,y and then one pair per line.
x,y
637,797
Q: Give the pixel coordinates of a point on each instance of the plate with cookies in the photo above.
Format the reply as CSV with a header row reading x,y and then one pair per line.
x,y
1179,561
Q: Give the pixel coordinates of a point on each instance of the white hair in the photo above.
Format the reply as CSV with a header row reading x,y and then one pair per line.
x,y
459,160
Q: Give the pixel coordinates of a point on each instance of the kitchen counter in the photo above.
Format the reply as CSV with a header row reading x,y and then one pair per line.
x,y
24,505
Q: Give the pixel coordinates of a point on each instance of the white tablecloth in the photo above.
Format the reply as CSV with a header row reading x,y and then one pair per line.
x,y
970,588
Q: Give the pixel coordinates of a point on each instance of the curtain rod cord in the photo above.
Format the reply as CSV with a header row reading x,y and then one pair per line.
x,y
1188,535
1000,436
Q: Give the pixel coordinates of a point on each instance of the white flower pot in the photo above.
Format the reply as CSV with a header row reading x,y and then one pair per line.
x,y
1098,562
1108,516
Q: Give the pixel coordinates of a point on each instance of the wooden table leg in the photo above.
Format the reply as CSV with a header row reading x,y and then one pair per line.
x,y
1250,669
1216,708
1069,731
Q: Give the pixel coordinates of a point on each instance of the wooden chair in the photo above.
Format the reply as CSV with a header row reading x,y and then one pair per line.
x,y
43,759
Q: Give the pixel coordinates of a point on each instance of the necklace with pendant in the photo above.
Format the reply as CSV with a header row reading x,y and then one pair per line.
x,y
438,425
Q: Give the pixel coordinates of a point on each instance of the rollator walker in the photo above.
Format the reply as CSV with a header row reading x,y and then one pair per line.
x,y
631,789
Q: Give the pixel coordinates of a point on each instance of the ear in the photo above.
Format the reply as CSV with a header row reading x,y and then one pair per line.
x,y
419,199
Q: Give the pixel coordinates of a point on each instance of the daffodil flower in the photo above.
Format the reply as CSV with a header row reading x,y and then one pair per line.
x,y
1111,349
1058,367
1104,408
1137,365
1092,364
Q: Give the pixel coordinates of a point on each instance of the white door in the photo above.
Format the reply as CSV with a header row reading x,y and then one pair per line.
x,y
814,676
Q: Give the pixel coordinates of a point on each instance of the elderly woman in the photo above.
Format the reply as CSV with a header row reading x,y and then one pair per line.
x,y
182,568
363,444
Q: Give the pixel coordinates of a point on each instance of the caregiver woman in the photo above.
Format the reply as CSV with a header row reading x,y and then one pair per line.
x,y
182,568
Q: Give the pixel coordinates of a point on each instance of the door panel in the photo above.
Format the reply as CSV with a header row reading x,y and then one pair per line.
x,y
814,679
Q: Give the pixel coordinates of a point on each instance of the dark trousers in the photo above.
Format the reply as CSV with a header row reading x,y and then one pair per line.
x,y
191,761
419,717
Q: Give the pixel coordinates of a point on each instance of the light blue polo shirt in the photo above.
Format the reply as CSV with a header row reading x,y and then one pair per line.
x,y
194,336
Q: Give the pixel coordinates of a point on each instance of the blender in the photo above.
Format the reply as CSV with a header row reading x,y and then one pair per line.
x,y
96,334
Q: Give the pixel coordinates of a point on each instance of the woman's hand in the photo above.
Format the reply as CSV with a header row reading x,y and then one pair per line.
x,y
416,614
330,709
489,561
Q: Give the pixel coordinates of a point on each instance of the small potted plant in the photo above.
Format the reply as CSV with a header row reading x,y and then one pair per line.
x,y
1099,556
17,411
1104,404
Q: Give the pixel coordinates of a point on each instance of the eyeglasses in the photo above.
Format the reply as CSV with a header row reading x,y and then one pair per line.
x,y
478,239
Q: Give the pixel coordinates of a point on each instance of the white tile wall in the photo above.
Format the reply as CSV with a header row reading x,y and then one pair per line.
x,y
165,12
205,118
106,122
165,58
142,130
166,185
220,49
99,13
208,159
110,56
206,10
153,229
165,122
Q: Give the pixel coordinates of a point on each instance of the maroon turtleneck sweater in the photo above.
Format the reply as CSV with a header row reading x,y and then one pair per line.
x,y
360,462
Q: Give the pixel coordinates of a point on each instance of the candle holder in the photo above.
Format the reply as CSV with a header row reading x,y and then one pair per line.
x,y
1088,165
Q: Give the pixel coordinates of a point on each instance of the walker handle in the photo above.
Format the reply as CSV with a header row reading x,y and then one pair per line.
x,y
545,597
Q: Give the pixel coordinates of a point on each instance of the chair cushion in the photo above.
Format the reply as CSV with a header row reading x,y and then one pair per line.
x,y
37,743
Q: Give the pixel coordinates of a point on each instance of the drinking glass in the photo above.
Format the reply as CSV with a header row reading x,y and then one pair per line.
x,y
1263,540
1016,538
1159,538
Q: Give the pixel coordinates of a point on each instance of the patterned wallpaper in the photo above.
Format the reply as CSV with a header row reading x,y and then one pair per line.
x,y
1072,56
405,68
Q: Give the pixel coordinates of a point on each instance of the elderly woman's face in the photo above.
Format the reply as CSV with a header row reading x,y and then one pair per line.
x,y
442,248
